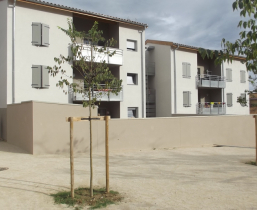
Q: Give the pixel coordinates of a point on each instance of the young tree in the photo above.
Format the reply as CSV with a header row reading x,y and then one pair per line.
x,y
89,62
244,46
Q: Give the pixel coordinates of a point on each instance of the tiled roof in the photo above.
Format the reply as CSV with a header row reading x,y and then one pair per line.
x,y
86,12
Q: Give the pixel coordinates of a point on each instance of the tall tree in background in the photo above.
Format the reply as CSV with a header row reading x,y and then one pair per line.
x,y
245,45
88,60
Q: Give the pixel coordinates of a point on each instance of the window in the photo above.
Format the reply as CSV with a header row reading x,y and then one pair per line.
x,y
132,112
242,76
186,98
186,70
229,99
229,75
131,45
40,34
131,79
40,76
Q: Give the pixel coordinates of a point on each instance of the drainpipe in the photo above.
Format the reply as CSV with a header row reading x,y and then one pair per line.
x,y
224,81
175,81
13,51
142,76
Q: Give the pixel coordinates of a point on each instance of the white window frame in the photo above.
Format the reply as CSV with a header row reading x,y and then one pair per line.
x,y
134,111
131,45
132,79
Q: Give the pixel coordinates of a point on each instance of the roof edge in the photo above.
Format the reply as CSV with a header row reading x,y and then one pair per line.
x,y
83,12
185,47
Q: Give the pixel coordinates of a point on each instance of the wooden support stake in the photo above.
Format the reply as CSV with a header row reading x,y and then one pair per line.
x,y
107,118
255,116
71,158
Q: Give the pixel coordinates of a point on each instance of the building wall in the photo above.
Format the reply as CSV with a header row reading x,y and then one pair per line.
x,y
236,87
186,84
28,54
3,68
132,94
32,127
162,80
3,55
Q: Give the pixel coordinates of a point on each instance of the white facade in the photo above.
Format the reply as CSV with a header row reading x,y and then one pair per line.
x,y
171,85
27,54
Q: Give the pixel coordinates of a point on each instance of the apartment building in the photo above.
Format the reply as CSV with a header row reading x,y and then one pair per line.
x,y
180,82
30,39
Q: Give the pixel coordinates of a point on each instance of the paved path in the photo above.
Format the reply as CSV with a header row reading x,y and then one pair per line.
x,y
185,178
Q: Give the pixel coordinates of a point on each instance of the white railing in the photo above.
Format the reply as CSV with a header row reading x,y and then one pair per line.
x,y
211,108
206,80
116,59
101,95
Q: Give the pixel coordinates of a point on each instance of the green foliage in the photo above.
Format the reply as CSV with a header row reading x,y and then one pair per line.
x,y
82,198
245,45
94,74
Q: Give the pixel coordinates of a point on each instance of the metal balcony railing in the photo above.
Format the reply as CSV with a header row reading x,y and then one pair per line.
x,y
116,59
101,95
150,96
213,81
211,108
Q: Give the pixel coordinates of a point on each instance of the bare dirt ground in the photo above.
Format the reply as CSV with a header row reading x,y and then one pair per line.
x,y
165,179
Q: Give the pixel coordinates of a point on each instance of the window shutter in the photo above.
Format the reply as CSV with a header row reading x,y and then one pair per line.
x,y
36,34
229,75
184,69
45,35
36,76
186,98
242,76
45,77
188,70
229,99
131,45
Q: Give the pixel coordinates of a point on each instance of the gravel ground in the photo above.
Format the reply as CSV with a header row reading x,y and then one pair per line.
x,y
165,179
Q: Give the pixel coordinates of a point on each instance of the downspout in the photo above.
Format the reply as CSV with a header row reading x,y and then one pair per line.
x,y
175,82
13,52
224,80
142,76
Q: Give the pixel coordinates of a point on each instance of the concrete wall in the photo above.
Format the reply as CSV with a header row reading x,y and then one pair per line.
x,y
236,87
28,54
20,125
137,134
3,123
40,128
132,94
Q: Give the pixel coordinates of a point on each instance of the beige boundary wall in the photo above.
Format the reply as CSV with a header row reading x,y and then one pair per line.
x,y
40,128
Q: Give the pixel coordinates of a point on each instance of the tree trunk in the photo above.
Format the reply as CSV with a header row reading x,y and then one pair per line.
x,y
91,146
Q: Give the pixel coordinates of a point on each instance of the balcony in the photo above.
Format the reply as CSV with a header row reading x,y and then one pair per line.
x,y
150,96
116,59
150,69
211,108
211,81
101,95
